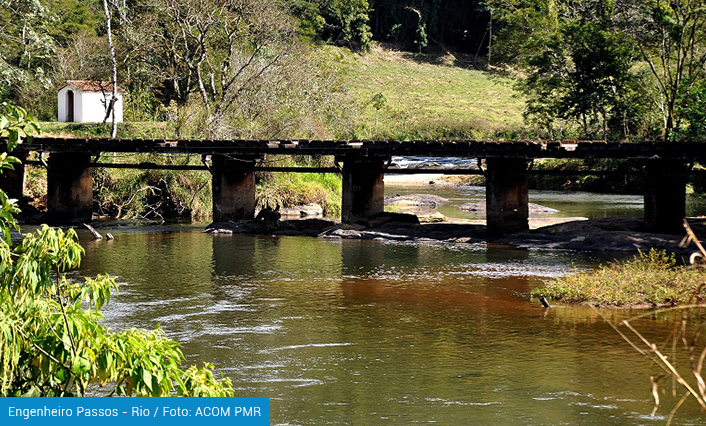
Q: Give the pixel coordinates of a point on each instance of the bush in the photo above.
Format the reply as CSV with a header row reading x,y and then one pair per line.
x,y
650,279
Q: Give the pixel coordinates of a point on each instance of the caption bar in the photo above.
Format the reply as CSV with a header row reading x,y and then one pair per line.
x,y
136,411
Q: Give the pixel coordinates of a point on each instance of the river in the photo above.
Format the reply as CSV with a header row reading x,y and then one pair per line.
x,y
377,333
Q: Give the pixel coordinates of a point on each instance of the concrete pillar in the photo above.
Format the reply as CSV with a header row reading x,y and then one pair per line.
x,y
665,195
13,181
507,195
69,188
233,189
363,188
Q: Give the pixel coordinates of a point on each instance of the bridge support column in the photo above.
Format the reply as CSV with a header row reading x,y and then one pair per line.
x,y
13,181
69,188
665,195
507,195
363,188
233,189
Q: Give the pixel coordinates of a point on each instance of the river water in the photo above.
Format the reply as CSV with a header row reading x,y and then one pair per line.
x,y
377,333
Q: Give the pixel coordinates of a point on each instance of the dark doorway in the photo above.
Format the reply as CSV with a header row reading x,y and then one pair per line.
x,y
70,106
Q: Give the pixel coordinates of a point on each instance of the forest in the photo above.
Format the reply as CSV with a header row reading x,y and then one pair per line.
x,y
598,69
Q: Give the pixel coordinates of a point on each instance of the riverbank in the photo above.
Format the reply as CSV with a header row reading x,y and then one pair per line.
x,y
651,279
603,235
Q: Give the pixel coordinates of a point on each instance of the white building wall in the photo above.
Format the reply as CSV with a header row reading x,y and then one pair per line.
x,y
92,107
119,108
89,107
62,104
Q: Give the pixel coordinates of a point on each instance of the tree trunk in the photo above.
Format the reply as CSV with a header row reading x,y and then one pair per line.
x,y
490,39
110,110
377,112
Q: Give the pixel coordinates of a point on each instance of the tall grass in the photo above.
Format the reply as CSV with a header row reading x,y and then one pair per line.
x,y
163,194
293,189
650,279
153,194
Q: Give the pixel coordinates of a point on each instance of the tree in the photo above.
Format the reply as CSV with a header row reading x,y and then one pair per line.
x,y
652,55
671,39
26,48
378,102
343,22
235,68
219,49
110,104
575,64
51,339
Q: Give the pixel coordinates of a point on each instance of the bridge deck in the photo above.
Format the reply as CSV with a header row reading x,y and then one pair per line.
x,y
364,164
688,151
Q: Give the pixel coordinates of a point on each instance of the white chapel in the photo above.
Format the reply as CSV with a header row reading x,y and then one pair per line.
x,y
85,101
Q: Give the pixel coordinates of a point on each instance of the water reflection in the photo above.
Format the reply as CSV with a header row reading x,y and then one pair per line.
x,y
367,332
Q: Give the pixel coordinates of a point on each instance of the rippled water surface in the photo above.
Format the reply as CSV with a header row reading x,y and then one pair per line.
x,y
373,333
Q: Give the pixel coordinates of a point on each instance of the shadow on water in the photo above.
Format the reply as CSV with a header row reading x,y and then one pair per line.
x,y
366,332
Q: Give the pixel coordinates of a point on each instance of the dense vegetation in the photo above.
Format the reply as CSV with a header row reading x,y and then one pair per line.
x,y
613,68
609,69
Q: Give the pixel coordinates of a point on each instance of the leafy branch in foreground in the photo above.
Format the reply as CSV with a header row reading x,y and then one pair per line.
x,y
51,339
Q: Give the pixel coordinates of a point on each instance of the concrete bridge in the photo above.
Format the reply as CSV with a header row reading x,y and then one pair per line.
x,y
362,165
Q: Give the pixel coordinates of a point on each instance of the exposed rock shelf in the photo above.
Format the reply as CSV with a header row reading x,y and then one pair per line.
x,y
608,234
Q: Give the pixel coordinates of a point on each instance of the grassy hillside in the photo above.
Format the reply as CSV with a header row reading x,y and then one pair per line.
x,y
427,96
430,96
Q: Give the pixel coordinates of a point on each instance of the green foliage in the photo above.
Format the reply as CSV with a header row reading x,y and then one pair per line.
x,y
671,40
632,182
692,113
15,123
154,194
650,279
620,69
294,189
338,21
378,101
51,339
26,49
72,17
577,66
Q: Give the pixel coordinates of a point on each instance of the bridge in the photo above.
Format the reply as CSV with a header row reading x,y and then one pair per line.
x,y
362,164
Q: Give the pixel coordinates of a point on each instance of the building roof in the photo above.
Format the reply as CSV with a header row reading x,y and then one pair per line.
x,y
94,85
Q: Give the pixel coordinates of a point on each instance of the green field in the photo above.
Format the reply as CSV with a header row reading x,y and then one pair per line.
x,y
430,96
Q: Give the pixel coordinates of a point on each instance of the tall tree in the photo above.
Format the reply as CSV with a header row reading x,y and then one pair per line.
x,y
26,48
575,65
671,39
660,44
110,104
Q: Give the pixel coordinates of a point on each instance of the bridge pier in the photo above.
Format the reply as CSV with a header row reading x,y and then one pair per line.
x,y
665,195
13,181
363,188
69,188
233,183
507,195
